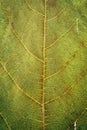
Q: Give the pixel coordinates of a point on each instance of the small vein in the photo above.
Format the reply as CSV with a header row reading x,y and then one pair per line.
x,y
36,120
62,68
9,128
25,27
25,47
10,76
56,15
29,71
6,34
82,113
64,34
30,7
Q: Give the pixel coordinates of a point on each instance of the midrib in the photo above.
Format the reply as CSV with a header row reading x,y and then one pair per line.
x,y
44,69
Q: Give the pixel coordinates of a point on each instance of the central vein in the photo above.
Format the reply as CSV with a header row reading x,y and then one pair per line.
x,y
44,69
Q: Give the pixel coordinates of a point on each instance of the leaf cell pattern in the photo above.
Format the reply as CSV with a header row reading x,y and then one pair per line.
x,y
43,68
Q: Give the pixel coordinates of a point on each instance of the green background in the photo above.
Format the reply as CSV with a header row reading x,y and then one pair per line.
x,y
22,33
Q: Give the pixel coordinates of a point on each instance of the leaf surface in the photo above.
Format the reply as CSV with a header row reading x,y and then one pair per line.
x,y
43,65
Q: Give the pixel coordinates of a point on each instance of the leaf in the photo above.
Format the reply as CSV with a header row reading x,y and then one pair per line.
x,y
43,66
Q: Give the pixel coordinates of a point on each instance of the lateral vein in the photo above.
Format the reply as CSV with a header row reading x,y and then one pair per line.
x,y
62,35
63,67
11,77
56,15
30,7
25,47
5,120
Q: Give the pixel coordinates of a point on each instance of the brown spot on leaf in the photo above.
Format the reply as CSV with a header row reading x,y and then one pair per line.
x,y
83,44
51,3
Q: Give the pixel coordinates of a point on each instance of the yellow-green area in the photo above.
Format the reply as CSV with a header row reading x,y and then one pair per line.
x,y
43,64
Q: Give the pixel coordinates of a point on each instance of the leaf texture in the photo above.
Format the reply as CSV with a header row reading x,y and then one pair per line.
x,y
43,65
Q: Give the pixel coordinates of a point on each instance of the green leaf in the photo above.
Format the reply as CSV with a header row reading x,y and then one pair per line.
x,y
43,65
